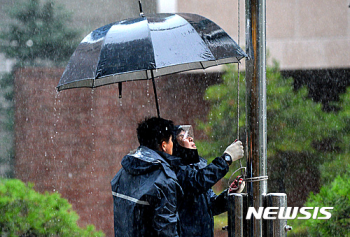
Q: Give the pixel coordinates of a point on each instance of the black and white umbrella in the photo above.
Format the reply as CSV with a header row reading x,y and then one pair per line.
x,y
147,47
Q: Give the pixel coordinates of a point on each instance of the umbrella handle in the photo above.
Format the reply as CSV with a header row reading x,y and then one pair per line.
x,y
140,6
120,89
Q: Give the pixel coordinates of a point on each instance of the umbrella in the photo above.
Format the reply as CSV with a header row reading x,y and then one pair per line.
x,y
147,47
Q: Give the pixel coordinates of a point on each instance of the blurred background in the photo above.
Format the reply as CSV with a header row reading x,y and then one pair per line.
x,y
72,142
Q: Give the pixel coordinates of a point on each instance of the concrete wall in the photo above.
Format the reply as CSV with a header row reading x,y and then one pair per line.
x,y
91,14
304,34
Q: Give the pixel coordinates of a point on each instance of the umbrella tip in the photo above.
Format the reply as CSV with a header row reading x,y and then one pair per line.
x,y
140,6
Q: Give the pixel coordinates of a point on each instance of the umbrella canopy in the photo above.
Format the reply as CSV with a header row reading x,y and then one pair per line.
x,y
148,47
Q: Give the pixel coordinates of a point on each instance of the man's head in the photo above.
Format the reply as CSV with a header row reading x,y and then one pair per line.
x,y
156,133
184,147
184,136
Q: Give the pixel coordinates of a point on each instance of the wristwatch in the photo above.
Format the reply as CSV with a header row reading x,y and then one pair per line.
x,y
228,158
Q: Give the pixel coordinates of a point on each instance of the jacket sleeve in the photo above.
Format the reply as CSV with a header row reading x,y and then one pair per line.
x,y
218,203
165,212
201,180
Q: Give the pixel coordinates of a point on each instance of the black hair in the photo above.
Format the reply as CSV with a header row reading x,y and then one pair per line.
x,y
178,129
153,131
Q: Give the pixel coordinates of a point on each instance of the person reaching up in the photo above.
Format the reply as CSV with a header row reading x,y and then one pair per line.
x,y
199,203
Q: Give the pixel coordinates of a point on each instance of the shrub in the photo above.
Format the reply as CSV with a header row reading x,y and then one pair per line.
x,y
336,195
25,212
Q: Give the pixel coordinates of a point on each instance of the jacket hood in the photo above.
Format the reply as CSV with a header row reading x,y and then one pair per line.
x,y
144,160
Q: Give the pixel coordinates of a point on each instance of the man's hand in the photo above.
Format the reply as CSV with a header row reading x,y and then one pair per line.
x,y
237,186
235,150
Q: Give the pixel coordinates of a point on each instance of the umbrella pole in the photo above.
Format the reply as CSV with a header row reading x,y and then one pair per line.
x,y
120,89
155,93
140,6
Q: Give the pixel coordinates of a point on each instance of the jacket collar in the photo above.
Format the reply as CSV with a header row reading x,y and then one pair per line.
x,y
148,158
173,161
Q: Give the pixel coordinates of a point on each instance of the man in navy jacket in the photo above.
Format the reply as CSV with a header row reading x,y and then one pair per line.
x,y
145,190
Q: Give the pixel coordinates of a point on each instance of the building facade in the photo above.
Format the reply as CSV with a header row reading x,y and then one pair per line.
x,y
299,34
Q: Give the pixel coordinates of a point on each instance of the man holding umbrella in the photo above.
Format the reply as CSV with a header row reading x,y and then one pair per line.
x,y
145,190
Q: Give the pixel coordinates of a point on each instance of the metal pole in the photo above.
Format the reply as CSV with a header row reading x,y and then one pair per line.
x,y
277,227
237,209
235,215
256,107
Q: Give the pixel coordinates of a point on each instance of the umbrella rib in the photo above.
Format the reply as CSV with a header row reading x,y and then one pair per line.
x,y
202,65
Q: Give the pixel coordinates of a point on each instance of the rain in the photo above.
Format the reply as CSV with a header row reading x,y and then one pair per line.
x,y
62,145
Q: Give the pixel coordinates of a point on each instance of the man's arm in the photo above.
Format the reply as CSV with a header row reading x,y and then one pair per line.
x,y
200,181
218,203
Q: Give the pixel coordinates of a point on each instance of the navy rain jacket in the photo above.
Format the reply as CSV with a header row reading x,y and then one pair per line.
x,y
145,192
200,203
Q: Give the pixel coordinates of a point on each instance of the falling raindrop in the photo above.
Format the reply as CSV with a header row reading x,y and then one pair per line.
x,y
205,74
147,86
93,125
29,43
56,115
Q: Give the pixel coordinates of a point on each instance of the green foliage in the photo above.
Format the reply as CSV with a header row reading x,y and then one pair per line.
x,y
298,130
6,107
7,124
294,121
307,147
38,32
24,212
336,162
221,126
336,195
286,111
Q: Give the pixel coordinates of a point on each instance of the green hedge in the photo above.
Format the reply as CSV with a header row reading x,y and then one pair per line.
x,y
336,195
25,212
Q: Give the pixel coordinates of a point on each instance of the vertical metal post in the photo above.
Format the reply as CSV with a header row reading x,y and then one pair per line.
x,y
277,227
256,107
235,215
237,210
